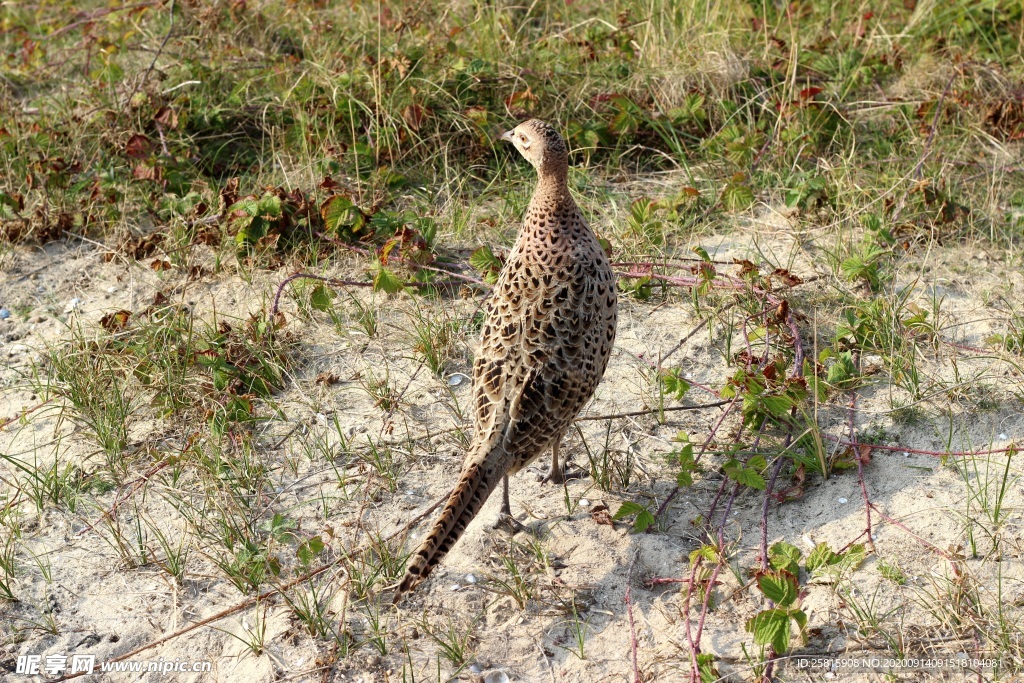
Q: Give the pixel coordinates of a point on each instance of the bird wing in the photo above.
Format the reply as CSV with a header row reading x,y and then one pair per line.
x,y
529,380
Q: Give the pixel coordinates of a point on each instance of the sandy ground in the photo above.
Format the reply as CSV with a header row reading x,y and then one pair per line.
x,y
98,606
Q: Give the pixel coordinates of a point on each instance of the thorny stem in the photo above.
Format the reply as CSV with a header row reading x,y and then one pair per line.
x,y
341,283
1012,449
861,454
767,500
632,624
694,644
900,525
703,448
707,599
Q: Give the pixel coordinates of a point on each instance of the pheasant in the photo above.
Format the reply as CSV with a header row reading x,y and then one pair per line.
x,y
547,335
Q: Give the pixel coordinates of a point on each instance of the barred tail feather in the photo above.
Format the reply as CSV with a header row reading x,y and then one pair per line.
x,y
475,484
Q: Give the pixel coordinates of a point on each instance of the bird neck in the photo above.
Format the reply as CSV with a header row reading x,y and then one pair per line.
x,y
552,187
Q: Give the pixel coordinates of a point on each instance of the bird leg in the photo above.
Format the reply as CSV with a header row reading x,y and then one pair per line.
x,y
505,518
555,475
559,474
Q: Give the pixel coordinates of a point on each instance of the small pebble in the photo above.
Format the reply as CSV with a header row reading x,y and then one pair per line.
x,y
470,579
455,587
4,314
73,305
584,502
1002,437
842,501
111,290
495,676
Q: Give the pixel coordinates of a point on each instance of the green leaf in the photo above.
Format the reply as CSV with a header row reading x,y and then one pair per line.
x,y
757,462
386,281
250,205
341,216
771,627
279,526
686,464
251,230
643,520
222,376
780,587
674,384
486,263
628,508
821,557
8,207
238,409
269,205
706,667
737,197
745,476
308,550
784,556
777,405
801,621
702,253
321,298
708,553
854,556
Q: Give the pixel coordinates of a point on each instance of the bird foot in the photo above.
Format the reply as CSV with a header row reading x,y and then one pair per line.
x,y
560,476
509,523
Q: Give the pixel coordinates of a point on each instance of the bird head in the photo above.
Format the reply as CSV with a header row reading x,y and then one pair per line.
x,y
540,144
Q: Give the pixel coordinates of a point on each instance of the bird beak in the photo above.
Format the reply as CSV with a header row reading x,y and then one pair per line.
x,y
507,135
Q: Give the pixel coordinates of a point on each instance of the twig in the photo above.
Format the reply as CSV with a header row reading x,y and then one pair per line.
x,y
935,126
1012,449
25,412
152,64
339,283
135,486
652,411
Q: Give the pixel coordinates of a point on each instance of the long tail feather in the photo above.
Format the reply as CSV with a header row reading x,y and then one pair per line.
x,y
479,477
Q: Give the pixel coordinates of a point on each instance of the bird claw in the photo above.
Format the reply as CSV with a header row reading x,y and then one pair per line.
x,y
509,523
560,476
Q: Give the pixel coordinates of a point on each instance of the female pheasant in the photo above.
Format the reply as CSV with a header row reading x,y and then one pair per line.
x,y
547,336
